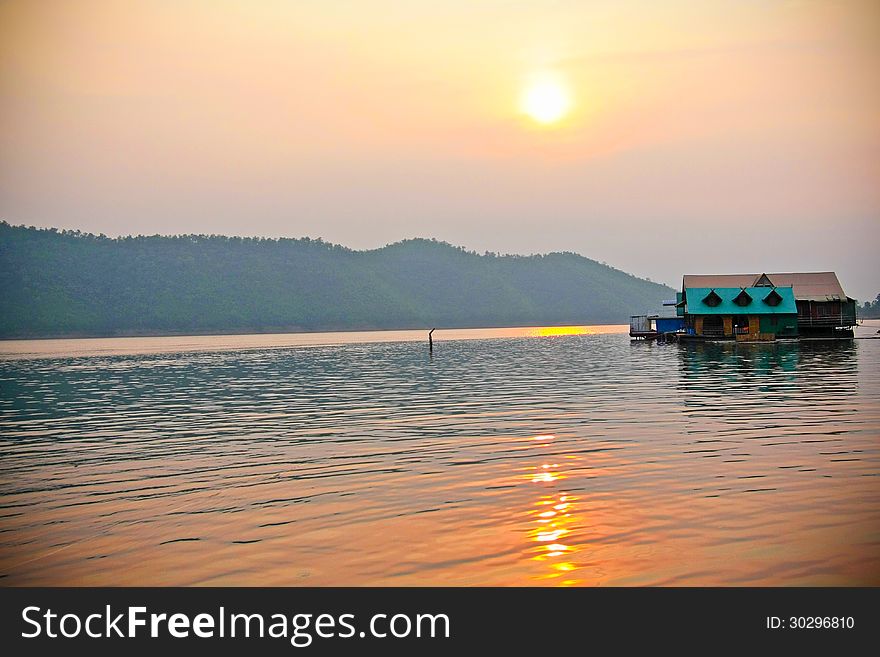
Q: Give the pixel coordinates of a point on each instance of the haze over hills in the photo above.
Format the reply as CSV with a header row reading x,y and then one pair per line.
x,y
55,283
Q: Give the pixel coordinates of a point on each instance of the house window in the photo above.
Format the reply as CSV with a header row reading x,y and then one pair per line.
x,y
712,299
773,299
743,298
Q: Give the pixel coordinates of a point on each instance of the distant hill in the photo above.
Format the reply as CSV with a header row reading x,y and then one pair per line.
x,y
70,283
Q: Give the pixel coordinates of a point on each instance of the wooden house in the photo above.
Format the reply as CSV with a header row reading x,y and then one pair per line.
x,y
740,313
823,309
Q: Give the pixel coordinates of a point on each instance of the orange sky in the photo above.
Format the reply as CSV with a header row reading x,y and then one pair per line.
x,y
739,135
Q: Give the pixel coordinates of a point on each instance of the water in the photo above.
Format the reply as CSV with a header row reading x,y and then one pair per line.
x,y
521,457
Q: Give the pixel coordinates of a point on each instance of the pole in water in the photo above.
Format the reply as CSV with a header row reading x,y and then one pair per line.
x,y
431,340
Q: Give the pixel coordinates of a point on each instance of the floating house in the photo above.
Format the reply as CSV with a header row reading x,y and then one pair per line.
x,y
823,309
740,313
754,307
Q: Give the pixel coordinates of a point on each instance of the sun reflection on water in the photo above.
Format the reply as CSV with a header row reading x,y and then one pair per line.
x,y
553,520
550,331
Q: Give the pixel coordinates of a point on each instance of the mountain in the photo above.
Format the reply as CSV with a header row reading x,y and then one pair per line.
x,y
71,283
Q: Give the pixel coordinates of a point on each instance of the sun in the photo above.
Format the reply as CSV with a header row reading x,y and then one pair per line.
x,y
546,101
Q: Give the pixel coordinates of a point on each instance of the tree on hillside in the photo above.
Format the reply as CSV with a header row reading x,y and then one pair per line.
x,y
71,283
870,309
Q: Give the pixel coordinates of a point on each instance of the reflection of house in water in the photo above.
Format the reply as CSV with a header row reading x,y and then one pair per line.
x,y
769,419
724,360
754,307
719,366
788,391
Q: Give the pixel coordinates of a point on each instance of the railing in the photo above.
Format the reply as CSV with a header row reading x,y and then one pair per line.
x,y
837,319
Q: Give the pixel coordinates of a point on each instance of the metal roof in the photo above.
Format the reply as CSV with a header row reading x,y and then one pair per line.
x,y
697,306
807,286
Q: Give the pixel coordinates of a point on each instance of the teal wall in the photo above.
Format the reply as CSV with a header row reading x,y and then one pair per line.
x,y
781,325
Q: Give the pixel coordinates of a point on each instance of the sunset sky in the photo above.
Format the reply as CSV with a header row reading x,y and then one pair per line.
x,y
660,137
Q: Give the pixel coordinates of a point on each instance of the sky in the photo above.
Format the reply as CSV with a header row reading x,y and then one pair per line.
x,y
691,137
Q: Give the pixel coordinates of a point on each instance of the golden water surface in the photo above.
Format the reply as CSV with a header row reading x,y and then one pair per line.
x,y
553,456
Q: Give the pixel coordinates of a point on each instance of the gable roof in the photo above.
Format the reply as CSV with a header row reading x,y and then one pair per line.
x,y
743,298
697,297
807,286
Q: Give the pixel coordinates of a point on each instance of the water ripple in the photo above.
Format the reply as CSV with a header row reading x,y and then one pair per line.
x,y
511,459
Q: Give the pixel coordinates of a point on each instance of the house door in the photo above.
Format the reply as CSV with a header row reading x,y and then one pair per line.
x,y
713,326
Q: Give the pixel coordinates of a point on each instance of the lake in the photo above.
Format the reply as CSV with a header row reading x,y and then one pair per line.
x,y
529,456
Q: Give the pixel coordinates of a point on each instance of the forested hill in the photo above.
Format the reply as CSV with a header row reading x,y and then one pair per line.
x,y
71,283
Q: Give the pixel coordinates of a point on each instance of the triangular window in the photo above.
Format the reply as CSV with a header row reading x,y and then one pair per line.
x,y
743,298
773,299
712,299
763,281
